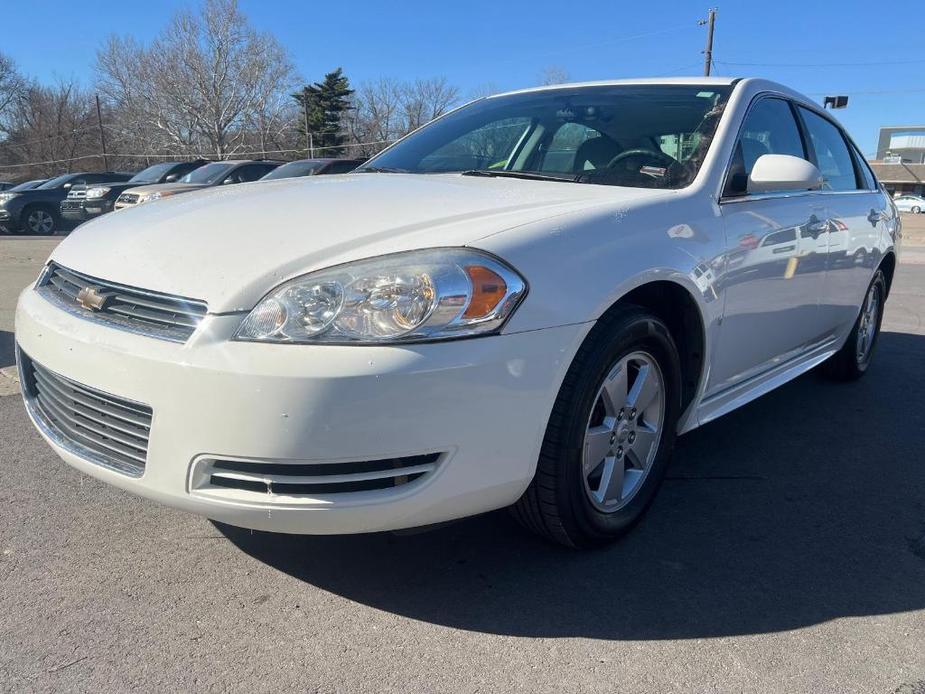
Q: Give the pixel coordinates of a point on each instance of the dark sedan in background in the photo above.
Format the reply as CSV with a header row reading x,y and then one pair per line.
x,y
89,200
36,210
313,167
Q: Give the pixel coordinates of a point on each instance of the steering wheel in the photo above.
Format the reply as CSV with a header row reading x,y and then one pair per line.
x,y
660,158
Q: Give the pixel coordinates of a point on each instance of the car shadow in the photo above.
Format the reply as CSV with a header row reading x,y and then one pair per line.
x,y
7,356
804,506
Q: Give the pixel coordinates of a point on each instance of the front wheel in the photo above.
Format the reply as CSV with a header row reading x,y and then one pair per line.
x,y
610,434
916,210
853,359
39,221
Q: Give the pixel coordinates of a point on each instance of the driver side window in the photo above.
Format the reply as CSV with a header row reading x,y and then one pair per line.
x,y
769,128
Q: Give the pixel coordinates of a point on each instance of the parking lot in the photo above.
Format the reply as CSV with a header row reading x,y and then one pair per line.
x,y
785,552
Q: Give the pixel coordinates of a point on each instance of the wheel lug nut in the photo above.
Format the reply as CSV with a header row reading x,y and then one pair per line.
x,y
633,413
620,452
632,436
620,415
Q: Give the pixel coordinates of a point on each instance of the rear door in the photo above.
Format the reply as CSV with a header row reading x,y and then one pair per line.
x,y
856,213
775,255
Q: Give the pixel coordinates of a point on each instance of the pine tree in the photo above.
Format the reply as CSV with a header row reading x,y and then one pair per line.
x,y
323,105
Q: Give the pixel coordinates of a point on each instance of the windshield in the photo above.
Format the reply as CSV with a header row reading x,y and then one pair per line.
x,y
647,136
27,185
293,169
152,174
208,174
56,182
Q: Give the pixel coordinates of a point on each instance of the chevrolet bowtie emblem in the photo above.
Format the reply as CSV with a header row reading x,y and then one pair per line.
x,y
91,299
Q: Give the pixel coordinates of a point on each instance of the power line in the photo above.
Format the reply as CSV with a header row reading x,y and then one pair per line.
x,y
861,64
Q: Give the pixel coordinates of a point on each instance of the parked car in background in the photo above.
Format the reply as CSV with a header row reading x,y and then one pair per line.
x,y
313,167
6,185
27,185
89,200
910,203
37,210
522,303
217,173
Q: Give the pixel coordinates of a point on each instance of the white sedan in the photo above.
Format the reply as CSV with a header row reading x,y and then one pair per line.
x,y
910,203
521,304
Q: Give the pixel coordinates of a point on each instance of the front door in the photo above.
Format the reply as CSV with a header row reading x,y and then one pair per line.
x,y
776,249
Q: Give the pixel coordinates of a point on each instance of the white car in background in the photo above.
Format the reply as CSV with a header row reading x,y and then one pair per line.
x,y
522,303
910,203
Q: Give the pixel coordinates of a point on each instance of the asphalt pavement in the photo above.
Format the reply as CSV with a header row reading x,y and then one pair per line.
x,y
785,553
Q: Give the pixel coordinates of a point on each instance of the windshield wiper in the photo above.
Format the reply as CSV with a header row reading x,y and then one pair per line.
x,y
381,169
528,175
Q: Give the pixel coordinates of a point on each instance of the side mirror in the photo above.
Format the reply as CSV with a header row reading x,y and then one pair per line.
x,y
67,185
172,178
778,173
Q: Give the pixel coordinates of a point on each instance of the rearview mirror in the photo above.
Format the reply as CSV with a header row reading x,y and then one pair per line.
x,y
777,173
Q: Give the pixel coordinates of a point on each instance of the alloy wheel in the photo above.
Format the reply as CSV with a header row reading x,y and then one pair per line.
x,y
623,432
867,328
40,222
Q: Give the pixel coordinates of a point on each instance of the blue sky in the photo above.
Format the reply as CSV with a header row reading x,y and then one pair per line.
x,y
816,47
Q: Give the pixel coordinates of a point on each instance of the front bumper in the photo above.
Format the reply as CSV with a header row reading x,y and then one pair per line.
x,y
94,207
482,403
73,210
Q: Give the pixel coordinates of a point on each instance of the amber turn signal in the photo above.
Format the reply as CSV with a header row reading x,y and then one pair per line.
x,y
488,289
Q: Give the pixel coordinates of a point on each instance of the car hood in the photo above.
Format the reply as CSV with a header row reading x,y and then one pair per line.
x,y
230,245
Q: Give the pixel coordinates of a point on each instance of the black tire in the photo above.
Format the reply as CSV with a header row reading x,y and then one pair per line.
x,y
556,505
916,210
33,214
847,364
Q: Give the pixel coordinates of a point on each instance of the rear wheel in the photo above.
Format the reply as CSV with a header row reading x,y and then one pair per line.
x,y
610,434
853,359
916,210
39,220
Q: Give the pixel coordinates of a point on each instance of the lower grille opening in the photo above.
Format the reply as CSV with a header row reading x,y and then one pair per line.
x,y
303,479
94,425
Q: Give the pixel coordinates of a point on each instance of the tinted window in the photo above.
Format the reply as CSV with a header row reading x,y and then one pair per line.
x,y
210,173
769,128
56,182
152,174
294,169
832,156
345,166
870,181
644,136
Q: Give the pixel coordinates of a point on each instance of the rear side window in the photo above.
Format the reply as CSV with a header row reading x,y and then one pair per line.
x,y
870,181
769,128
832,155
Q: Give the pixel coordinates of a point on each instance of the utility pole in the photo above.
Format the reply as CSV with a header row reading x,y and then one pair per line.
x,y
99,121
309,140
710,21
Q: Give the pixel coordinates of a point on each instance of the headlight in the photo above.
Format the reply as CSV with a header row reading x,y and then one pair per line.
x,y
148,197
97,192
6,197
419,295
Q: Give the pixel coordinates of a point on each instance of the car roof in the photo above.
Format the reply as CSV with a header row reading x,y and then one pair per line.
x,y
648,81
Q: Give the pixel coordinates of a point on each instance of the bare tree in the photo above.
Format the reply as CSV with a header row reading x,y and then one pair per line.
x,y
553,74
50,129
203,83
387,109
428,99
12,85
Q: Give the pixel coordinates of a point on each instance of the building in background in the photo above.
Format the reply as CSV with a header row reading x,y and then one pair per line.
x,y
900,161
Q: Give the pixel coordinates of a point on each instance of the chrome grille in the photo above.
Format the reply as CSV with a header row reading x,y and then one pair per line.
x,y
71,204
150,313
271,480
96,426
76,194
128,198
